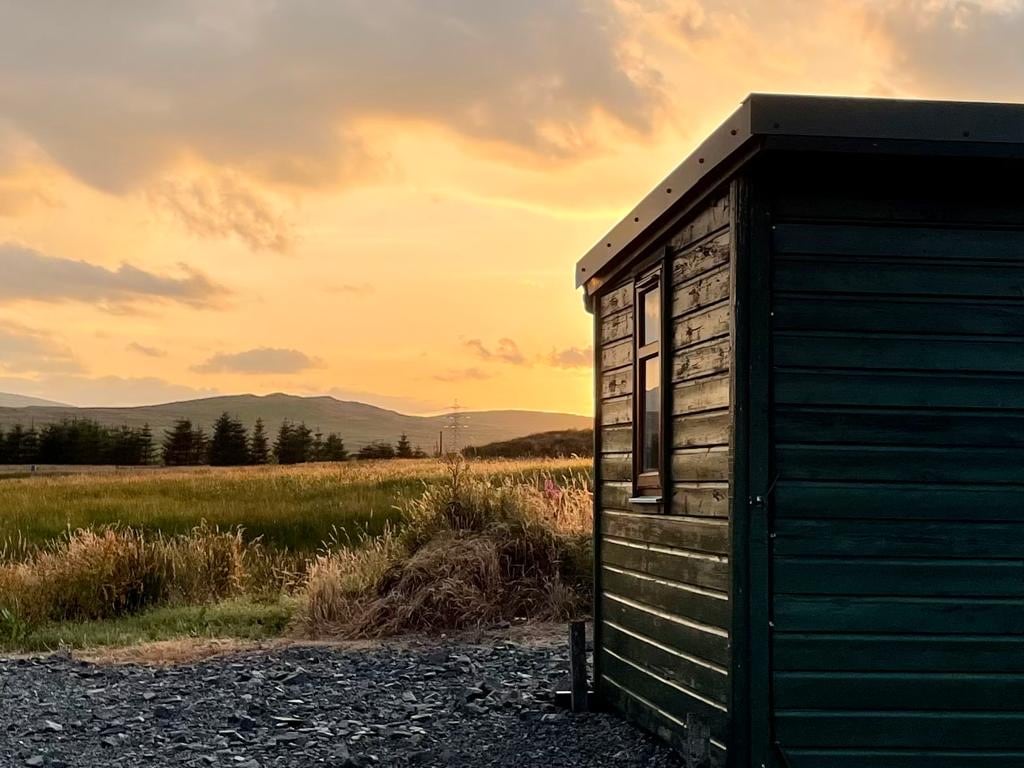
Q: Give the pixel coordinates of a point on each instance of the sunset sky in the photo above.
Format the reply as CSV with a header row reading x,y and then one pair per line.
x,y
383,200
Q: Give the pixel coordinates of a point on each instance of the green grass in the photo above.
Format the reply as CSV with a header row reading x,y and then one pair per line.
x,y
240,619
295,508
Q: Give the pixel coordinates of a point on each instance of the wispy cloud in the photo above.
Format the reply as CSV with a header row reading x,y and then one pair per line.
x,y
261,360
142,349
224,206
571,357
102,391
24,350
31,275
506,351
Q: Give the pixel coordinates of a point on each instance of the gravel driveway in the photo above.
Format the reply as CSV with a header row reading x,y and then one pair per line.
x,y
390,705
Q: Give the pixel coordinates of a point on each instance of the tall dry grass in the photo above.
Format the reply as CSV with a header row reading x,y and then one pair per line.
x,y
470,552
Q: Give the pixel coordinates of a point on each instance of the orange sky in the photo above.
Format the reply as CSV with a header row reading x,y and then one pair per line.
x,y
383,199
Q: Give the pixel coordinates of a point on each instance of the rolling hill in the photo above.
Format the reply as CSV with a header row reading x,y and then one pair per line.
x,y
8,400
357,423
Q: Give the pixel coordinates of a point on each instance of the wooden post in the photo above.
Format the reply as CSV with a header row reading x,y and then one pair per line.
x,y
578,665
698,742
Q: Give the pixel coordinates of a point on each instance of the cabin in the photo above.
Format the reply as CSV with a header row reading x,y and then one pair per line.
x,y
809,506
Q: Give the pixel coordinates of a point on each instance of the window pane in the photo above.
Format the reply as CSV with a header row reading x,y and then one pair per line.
x,y
652,415
652,316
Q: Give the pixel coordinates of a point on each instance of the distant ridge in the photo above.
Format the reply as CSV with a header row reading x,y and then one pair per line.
x,y
357,423
9,400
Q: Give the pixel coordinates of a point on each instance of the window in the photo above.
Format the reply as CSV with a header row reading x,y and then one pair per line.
x,y
648,390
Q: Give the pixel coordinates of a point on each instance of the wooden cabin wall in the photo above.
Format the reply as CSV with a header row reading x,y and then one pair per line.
x,y
664,578
898,507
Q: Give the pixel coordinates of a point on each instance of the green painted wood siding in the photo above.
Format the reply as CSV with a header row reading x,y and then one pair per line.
x,y
664,579
898,550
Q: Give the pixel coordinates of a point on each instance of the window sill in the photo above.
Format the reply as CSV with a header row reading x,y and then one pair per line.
x,y
653,504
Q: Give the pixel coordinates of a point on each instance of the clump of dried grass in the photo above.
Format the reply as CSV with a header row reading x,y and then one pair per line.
x,y
472,552
115,572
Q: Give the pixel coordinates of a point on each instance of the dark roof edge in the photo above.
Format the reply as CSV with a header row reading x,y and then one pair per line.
x,y
808,116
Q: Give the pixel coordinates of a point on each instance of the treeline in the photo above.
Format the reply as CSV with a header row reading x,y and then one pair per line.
x,y
228,444
561,444
231,445
77,442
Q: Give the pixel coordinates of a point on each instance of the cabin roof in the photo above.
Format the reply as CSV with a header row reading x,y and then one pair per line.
x,y
801,123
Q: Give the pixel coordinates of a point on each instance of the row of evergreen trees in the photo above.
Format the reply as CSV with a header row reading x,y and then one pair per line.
x,y
82,441
77,442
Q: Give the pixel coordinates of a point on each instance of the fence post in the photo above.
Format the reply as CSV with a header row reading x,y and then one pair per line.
x,y
698,742
578,665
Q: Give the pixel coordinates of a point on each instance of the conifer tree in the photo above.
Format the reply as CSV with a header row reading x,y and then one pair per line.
x,y
177,445
229,445
259,449
334,449
403,449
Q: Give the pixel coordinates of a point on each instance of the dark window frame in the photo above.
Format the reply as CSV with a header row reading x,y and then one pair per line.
x,y
647,482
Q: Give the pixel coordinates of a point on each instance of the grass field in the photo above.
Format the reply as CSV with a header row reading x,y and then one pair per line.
x,y
116,558
298,507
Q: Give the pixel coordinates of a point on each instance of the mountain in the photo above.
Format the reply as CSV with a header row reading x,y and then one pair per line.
x,y
8,400
357,423
570,442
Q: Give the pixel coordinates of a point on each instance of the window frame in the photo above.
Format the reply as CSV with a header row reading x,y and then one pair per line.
x,y
647,483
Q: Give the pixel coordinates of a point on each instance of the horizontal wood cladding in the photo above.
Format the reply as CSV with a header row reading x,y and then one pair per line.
x,y
664,607
898,447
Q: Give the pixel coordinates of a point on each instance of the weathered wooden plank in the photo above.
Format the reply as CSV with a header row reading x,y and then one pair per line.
x,y
710,572
691,465
701,258
711,218
617,382
899,538
617,467
940,501
881,351
918,464
617,355
707,644
701,395
673,699
883,615
710,682
902,758
702,292
617,326
908,730
705,325
696,534
899,427
617,411
908,315
892,388
906,653
702,429
616,439
616,299
853,575
674,598
647,716
704,360
898,691
616,495
903,242
701,499
848,276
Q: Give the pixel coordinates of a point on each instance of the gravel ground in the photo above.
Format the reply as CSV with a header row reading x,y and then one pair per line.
x,y
390,705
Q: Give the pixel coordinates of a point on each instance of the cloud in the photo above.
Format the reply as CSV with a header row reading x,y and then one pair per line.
x,y
957,48
144,350
224,206
262,360
278,90
507,351
571,357
23,350
30,275
464,374
102,391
